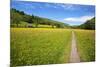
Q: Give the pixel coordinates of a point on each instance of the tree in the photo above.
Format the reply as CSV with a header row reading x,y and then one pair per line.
x,y
16,18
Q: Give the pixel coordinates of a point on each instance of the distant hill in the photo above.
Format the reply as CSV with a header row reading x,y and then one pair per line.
x,y
20,19
89,24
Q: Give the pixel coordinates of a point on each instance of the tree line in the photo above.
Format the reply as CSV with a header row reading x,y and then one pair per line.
x,y
17,17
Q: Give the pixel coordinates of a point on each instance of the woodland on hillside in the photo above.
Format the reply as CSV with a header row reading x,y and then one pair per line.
x,y
21,19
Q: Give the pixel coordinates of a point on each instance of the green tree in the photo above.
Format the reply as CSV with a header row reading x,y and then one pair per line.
x,y
16,18
89,24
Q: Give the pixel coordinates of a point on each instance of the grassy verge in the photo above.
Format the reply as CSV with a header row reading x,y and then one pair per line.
x,y
32,46
86,44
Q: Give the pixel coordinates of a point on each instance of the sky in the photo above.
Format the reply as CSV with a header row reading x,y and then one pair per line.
x,y
72,14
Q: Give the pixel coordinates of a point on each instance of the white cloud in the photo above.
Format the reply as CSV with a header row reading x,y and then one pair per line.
x,y
78,19
51,5
47,5
57,5
67,6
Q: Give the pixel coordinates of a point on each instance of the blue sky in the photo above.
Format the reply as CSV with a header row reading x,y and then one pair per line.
x,y
68,13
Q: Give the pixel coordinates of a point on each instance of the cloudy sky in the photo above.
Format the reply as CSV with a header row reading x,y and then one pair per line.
x,y
68,13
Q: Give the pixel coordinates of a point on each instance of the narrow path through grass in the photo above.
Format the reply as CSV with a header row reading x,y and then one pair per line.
x,y
74,57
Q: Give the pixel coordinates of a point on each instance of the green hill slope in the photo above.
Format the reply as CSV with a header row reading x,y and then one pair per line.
x,y
20,19
90,24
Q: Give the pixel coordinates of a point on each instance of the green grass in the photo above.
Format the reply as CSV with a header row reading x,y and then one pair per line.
x,y
45,26
32,46
86,44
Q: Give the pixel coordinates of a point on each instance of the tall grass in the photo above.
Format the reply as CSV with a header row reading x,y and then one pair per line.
x,y
86,44
32,46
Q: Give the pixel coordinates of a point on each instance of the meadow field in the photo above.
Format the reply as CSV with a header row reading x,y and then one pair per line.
x,y
34,46
86,44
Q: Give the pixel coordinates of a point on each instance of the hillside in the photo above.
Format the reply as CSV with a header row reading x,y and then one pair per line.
x,y
89,24
20,19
